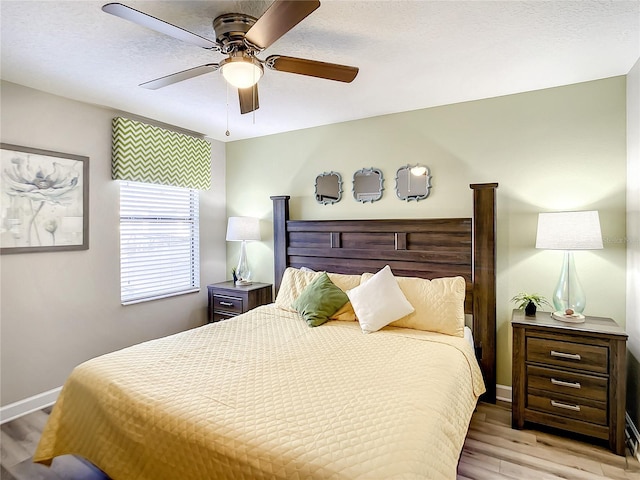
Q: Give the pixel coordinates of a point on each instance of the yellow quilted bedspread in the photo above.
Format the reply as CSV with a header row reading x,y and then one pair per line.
x,y
265,396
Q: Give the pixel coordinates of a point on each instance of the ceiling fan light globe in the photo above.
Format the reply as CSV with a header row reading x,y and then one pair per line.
x,y
241,73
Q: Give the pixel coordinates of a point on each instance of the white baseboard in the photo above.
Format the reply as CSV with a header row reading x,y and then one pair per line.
x,y
503,393
28,405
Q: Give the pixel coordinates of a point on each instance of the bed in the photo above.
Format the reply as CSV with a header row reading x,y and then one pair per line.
x,y
263,395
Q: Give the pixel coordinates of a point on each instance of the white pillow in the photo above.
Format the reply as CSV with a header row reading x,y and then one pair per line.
x,y
379,301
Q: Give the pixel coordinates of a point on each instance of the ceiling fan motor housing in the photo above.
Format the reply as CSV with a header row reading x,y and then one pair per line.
x,y
230,30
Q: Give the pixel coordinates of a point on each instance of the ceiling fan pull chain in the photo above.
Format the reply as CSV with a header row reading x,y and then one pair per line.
x,y
227,133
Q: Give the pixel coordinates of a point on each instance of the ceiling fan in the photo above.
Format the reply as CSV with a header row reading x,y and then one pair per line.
x,y
241,37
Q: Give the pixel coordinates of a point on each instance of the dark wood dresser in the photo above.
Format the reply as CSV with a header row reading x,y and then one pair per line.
x,y
570,376
227,300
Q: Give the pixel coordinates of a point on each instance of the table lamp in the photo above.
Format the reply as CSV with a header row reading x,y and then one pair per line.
x,y
243,229
569,231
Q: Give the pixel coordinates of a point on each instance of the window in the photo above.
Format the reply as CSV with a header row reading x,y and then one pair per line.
x,y
159,241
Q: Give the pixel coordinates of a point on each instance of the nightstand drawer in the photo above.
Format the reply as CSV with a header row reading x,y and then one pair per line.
x,y
566,354
219,316
568,383
226,299
227,304
578,409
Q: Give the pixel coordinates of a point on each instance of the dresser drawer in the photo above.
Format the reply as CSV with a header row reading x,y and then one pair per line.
x,y
568,383
563,406
227,303
566,354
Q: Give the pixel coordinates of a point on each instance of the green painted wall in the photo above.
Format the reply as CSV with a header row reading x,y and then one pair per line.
x,y
556,149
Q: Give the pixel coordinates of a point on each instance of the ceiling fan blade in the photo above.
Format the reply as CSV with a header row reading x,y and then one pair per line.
x,y
312,68
179,76
153,23
248,99
279,18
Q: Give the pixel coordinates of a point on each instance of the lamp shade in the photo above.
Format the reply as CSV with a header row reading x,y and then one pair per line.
x,y
569,231
243,228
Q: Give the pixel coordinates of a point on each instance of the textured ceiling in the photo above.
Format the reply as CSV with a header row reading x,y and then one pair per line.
x,y
411,54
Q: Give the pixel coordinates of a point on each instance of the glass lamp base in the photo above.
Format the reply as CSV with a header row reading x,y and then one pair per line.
x,y
243,272
569,292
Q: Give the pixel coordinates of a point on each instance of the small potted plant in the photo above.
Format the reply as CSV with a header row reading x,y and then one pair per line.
x,y
529,302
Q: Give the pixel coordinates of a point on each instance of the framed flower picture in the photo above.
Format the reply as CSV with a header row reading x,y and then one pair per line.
x,y
44,200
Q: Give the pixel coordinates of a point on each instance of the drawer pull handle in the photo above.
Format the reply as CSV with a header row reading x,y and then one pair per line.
x,y
226,304
565,384
575,408
570,356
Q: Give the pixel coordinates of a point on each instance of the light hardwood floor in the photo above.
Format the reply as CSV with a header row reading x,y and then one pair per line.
x,y
492,450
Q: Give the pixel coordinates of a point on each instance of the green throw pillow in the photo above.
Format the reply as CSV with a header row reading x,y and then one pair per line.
x,y
320,300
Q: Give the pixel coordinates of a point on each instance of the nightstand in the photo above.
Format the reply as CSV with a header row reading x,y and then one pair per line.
x,y
570,376
227,300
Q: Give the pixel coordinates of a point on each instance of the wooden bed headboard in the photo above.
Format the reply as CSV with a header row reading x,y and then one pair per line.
x,y
425,248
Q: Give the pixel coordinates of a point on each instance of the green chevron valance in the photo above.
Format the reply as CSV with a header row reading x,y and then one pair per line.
x,y
149,154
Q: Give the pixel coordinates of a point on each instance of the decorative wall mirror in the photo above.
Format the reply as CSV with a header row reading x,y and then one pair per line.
x,y
367,185
413,182
328,188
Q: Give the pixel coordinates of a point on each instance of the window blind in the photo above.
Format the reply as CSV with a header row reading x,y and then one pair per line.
x,y
159,241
